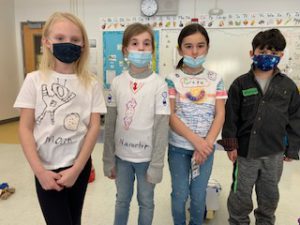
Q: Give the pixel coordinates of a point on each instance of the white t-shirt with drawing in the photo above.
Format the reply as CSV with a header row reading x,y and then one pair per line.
x,y
62,113
137,102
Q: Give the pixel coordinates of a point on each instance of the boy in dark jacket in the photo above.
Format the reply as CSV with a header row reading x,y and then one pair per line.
x,y
262,112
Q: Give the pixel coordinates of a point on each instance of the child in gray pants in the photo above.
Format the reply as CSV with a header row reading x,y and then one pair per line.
x,y
262,111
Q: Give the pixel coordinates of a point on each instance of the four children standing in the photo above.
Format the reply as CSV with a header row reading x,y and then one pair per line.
x,y
60,116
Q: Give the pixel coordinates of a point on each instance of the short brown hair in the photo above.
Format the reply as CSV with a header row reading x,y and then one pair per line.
x,y
136,29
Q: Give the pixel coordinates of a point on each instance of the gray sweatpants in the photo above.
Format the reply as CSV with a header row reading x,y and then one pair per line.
x,y
265,174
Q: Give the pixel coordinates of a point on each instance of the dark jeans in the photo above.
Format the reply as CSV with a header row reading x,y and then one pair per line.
x,y
64,207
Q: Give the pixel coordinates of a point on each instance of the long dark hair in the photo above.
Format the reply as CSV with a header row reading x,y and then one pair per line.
x,y
187,31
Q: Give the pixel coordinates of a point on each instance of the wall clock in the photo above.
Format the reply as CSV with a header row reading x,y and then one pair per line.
x,y
149,7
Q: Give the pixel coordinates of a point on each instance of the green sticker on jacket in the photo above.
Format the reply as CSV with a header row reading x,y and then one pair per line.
x,y
250,91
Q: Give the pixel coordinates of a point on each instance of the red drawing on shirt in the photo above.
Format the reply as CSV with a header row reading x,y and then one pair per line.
x,y
135,86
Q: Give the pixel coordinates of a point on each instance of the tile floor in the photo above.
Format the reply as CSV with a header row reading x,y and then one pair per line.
x,y
22,208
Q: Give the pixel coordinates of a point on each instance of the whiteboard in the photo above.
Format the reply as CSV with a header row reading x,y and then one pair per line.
x,y
229,50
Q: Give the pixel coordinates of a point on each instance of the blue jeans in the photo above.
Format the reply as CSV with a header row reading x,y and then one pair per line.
x,y
126,172
183,186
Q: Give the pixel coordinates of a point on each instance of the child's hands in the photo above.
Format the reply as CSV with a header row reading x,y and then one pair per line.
x,y
232,155
68,177
203,147
198,157
210,142
48,180
148,178
113,173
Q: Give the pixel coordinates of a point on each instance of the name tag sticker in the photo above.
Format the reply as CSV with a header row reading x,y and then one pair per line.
x,y
195,168
250,91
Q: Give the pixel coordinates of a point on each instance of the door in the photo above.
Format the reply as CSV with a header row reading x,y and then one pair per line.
x,y
32,46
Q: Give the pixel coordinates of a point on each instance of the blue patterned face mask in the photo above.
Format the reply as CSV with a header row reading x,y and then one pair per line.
x,y
66,52
266,62
140,59
194,62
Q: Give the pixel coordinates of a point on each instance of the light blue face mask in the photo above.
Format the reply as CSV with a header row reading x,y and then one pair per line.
x,y
140,59
194,62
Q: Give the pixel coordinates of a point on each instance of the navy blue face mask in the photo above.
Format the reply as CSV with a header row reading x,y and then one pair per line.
x,y
266,62
66,52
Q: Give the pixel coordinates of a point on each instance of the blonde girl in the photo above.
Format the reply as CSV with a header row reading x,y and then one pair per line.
x,y
60,106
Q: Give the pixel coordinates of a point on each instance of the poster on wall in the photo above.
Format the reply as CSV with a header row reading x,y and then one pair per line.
x,y
113,61
228,20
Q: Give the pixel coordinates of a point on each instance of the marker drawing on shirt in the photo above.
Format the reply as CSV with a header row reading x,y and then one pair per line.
x,y
129,113
60,95
71,121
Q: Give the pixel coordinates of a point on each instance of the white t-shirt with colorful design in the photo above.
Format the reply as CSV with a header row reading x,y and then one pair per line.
x,y
195,102
62,107
137,102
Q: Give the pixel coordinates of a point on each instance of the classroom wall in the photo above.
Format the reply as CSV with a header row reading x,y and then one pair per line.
x,y
91,10
8,60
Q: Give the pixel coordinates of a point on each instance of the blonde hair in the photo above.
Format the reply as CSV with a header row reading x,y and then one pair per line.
x,y
136,29
48,60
